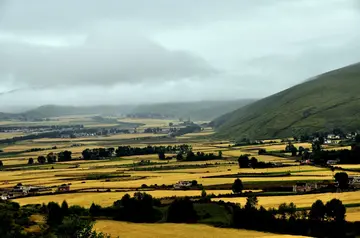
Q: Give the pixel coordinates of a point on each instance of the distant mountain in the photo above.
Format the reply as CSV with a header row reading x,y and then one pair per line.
x,y
56,111
202,110
325,102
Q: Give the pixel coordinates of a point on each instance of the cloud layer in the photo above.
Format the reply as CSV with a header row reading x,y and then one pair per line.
x,y
96,52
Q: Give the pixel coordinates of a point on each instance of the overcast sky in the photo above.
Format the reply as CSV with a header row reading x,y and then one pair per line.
x,y
116,52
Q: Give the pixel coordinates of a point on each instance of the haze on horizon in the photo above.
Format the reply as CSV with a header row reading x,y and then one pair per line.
x,y
90,52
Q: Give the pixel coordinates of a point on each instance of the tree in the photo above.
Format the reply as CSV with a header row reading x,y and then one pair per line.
x,y
75,226
51,158
1,164
253,162
95,210
181,210
65,156
65,207
194,183
41,159
179,156
243,161
31,161
342,179
316,146
294,151
237,186
335,210
220,154
262,151
203,193
171,124
301,150
318,211
161,155
287,210
55,214
251,203
357,138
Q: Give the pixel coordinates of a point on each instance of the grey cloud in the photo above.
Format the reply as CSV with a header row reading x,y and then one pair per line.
x,y
65,15
99,61
148,50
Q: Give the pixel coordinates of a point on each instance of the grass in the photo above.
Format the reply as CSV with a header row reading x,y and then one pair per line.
x,y
132,230
327,102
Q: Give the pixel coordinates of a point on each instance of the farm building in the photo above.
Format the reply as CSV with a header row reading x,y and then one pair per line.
x,y
21,189
4,197
64,188
183,184
331,162
354,181
304,187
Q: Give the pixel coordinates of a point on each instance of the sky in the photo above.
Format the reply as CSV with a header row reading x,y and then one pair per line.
x,y
90,52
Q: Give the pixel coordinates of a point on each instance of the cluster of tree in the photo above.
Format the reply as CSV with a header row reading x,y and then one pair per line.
x,y
321,157
245,162
53,158
322,220
193,128
198,156
129,151
143,207
61,221
98,153
153,130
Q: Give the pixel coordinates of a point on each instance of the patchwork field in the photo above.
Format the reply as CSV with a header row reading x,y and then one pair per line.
x,y
131,230
107,180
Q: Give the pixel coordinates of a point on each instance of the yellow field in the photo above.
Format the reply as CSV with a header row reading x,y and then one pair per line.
x,y
106,198
133,230
282,146
65,172
10,135
299,200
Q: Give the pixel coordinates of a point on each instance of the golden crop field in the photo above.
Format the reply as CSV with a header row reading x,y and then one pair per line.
x,y
126,175
107,198
299,200
131,230
10,135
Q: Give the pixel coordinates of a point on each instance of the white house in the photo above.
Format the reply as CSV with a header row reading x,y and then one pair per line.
x,y
183,184
332,162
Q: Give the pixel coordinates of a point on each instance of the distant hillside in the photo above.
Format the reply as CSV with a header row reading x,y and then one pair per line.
x,y
329,101
203,110
56,111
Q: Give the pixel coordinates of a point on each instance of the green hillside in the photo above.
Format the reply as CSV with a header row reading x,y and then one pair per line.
x,y
202,110
329,101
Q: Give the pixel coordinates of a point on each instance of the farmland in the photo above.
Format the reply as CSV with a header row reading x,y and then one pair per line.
x,y
103,181
130,230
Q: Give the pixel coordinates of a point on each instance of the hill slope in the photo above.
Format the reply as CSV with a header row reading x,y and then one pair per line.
x,y
205,110
329,101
